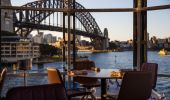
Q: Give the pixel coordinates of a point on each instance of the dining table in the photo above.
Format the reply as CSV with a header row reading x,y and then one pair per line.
x,y
102,74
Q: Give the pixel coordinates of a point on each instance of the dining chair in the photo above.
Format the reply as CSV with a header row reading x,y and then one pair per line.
x,y
2,78
88,83
86,65
38,92
135,86
153,68
54,76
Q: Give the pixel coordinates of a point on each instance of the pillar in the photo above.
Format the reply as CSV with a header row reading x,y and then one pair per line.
x,y
140,34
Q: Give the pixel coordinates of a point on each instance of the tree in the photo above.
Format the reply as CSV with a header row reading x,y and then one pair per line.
x,y
112,45
48,50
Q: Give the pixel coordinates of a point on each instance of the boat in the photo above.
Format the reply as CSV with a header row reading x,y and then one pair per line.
x,y
163,52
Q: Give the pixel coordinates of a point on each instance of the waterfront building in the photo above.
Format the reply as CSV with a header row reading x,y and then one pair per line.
x,y
166,45
168,39
161,43
16,49
84,43
130,42
125,45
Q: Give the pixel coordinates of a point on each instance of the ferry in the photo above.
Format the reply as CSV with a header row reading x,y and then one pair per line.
x,y
163,52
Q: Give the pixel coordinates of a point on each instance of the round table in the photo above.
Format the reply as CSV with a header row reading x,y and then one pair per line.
x,y
103,74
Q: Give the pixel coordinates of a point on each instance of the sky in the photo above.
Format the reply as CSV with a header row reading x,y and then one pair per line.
x,y
120,25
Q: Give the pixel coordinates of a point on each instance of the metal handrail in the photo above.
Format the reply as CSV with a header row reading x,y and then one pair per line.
x,y
43,73
164,75
88,10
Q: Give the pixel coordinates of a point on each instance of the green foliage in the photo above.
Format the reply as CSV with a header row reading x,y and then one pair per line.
x,y
112,45
48,50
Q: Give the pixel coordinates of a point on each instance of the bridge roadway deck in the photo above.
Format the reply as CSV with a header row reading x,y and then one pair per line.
x,y
56,28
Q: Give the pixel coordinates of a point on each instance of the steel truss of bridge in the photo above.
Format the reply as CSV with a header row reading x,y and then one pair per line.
x,y
36,12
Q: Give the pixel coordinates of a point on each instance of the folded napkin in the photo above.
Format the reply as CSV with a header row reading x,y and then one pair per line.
x,y
116,74
78,72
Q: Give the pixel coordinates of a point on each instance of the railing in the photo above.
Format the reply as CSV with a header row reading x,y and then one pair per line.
x,y
164,75
42,72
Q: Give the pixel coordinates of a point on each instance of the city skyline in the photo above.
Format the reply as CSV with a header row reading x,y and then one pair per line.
x,y
120,24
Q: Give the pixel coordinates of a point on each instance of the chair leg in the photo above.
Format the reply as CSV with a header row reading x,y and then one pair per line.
x,y
83,98
118,84
87,97
69,98
93,97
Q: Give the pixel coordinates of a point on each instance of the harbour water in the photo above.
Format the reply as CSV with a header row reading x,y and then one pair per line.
x,y
125,60
109,60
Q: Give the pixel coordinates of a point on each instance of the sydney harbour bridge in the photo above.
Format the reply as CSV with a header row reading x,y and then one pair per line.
x,y
25,21
58,15
54,15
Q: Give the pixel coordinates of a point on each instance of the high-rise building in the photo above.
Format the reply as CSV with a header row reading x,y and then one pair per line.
x,y
54,39
148,41
154,40
48,38
38,38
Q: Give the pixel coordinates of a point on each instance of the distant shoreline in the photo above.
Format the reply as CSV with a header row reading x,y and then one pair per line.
x,y
115,51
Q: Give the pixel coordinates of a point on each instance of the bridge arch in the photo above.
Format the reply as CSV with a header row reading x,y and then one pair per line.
x,y
26,17
27,20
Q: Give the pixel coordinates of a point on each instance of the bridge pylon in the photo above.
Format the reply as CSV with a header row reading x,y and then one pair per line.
x,y
97,43
101,43
6,17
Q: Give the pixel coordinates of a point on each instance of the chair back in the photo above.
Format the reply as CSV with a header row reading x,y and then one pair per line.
x,y
153,68
135,86
39,92
54,76
2,78
84,65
